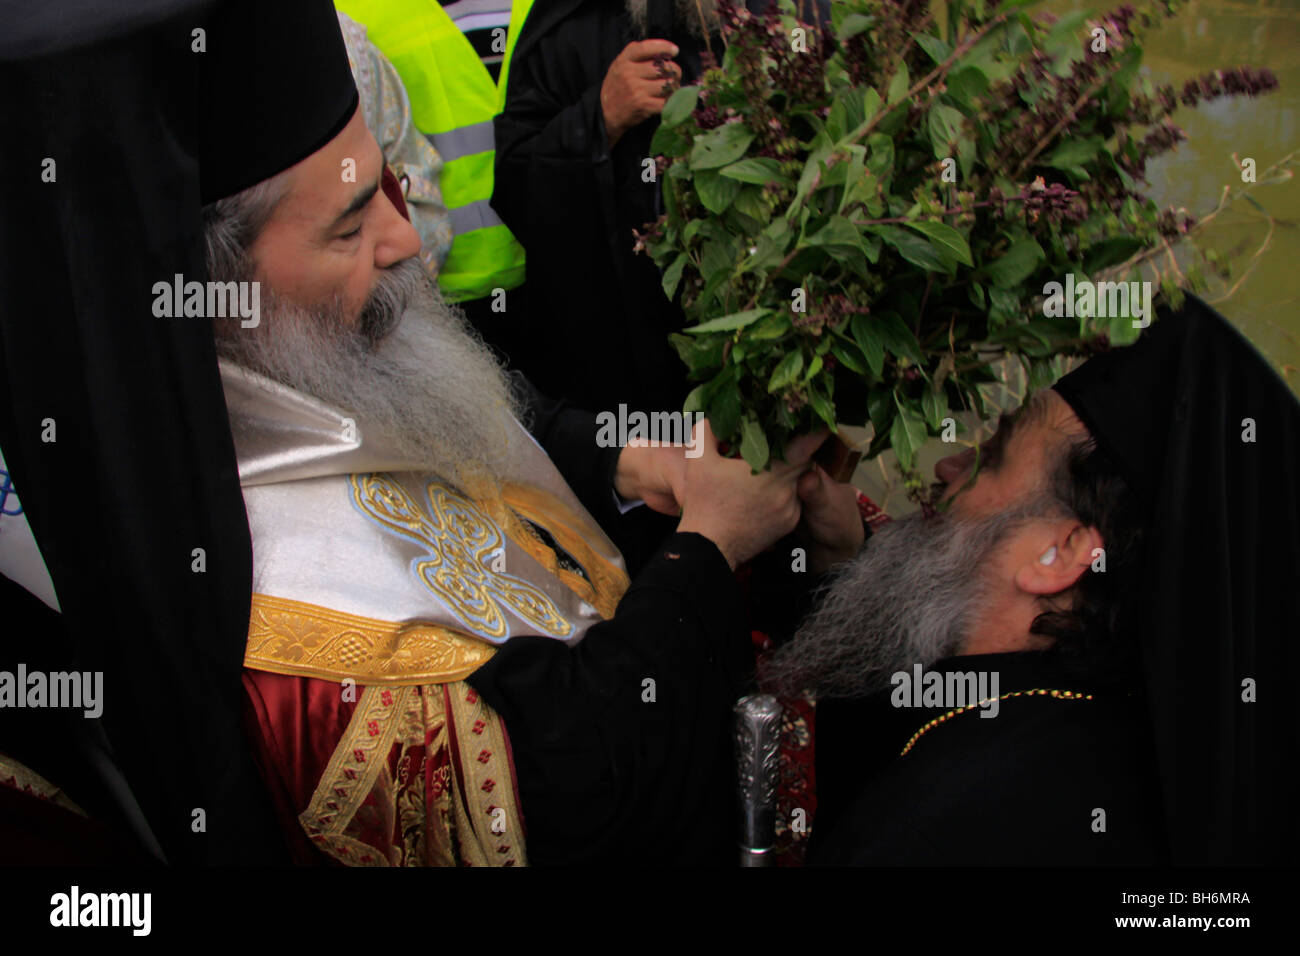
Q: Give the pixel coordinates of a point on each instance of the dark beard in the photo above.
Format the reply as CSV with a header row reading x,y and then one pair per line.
x,y
910,597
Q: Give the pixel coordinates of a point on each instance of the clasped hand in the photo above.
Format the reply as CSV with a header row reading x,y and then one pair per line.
x,y
740,512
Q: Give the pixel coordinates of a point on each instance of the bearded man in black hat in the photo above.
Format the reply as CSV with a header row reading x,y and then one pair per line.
x,y
1079,661
443,639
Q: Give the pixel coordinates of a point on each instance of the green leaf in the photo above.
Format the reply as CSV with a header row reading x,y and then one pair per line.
x,y
786,372
853,24
753,445
1015,265
967,83
701,355
1037,338
679,106
936,48
861,189
695,400
1009,5
880,159
880,408
869,338
770,249
1074,152
934,406
724,408
1017,39
668,141
1004,306
837,119
947,238
870,105
819,149
1040,373
896,336
726,323
759,170
1067,39
856,176
1120,331
853,106
721,146
838,231
967,153
716,192
769,328
899,85
872,245
823,406
673,275
1109,252
907,434
849,357
750,202
717,259
945,124
912,247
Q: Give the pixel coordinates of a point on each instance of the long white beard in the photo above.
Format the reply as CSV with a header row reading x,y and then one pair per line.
x,y
912,596
688,12
414,372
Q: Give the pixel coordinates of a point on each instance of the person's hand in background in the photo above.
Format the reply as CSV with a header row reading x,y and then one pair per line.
x,y
637,84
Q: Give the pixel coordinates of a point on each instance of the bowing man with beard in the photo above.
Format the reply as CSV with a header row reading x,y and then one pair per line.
x,y
446,660
1079,660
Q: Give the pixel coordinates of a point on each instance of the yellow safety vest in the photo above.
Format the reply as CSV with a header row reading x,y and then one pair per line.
x,y
453,101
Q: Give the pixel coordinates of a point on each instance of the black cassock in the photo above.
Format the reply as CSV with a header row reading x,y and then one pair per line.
x,y
600,319
1049,780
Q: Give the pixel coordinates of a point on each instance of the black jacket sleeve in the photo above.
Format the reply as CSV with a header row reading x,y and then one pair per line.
x,y
621,743
568,436
552,162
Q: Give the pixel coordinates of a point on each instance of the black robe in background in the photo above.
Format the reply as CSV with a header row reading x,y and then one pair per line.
x,y
1020,788
600,319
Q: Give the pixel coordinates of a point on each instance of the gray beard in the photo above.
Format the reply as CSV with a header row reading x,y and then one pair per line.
x,y
413,372
688,12
912,596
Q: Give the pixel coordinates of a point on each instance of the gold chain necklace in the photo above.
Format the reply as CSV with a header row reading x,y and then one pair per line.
x,y
1037,691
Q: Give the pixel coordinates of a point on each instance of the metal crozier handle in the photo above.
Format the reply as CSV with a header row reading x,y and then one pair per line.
x,y
758,737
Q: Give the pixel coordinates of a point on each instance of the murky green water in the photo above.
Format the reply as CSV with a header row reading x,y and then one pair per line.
x,y
1263,294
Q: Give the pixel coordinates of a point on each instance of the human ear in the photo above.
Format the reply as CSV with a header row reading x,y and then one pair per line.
x,y
1060,556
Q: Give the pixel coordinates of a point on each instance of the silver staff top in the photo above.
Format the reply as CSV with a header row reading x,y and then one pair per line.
x,y
758,737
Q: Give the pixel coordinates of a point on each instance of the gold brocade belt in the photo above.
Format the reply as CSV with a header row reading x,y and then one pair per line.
x,y
305,640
